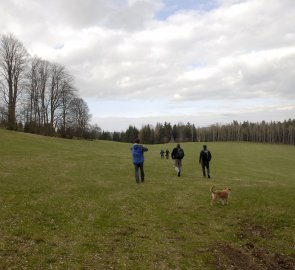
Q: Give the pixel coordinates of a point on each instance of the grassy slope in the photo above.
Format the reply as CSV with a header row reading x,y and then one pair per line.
x,y
69,204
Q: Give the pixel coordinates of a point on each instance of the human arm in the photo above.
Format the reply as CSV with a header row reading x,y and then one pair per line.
x,y
144,149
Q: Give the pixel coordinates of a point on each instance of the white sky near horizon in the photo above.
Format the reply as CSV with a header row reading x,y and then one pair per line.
x,y
138,62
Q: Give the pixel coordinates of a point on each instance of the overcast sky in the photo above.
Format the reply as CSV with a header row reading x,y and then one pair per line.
x,y
147,61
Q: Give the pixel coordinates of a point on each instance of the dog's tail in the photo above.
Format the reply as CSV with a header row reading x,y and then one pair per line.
x,y
212,191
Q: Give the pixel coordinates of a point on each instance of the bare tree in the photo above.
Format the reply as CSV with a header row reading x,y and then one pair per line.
x,y
44,73
3,114
50,91
36,103
13,57
56,76
67,96
33,89
61,91
80,116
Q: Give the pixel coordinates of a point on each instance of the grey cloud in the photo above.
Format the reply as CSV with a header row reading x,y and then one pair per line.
x,y
133,17
116,49
105,13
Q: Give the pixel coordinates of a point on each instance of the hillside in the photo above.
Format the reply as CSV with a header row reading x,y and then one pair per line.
x,y
74,204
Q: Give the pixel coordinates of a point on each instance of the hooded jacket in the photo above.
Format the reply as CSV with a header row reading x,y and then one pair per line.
x,y
137,153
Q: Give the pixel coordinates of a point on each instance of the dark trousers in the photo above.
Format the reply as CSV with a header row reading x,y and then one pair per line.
x,y
205,166
138,167
177,166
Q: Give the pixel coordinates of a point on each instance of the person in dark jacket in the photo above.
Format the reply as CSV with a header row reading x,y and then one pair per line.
x,y
137,150
177,155
204,160
167,154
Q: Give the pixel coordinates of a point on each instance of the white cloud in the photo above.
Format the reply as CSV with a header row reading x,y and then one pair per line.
x,y
239,50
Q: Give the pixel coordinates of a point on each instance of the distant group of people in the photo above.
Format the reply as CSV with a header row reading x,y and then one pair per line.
x,y
166,154
177,155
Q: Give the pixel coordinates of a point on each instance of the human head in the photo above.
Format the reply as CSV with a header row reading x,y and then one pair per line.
x,y
178,145
205,146
137,140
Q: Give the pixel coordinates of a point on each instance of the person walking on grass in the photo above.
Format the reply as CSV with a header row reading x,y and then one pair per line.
x,y
137,150
162,154
177,155
204,160
167,154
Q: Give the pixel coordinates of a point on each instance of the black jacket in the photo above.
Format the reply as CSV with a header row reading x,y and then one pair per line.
x,y
205,156
174,153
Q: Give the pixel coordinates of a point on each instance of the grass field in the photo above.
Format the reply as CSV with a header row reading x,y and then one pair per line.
x,y
70,204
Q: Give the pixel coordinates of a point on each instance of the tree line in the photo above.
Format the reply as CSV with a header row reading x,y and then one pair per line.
x,y
263,132
39,96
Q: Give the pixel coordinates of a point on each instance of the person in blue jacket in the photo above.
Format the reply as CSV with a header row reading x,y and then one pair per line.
x,y
137,150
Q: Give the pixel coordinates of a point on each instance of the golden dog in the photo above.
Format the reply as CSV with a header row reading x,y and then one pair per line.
x,y
222,195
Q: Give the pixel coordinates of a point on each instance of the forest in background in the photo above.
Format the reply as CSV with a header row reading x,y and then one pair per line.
x,y
40,97
263,132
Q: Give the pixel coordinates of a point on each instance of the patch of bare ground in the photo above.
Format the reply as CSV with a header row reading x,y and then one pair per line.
x,y
248,256
253,232
228,256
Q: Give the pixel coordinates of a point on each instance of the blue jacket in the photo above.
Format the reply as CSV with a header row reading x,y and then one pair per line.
x,y
137,153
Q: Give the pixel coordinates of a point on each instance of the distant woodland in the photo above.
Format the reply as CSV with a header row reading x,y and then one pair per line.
x,y
273,132
40,97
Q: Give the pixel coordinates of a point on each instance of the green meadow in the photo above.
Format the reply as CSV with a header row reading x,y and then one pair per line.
x,y
74,204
